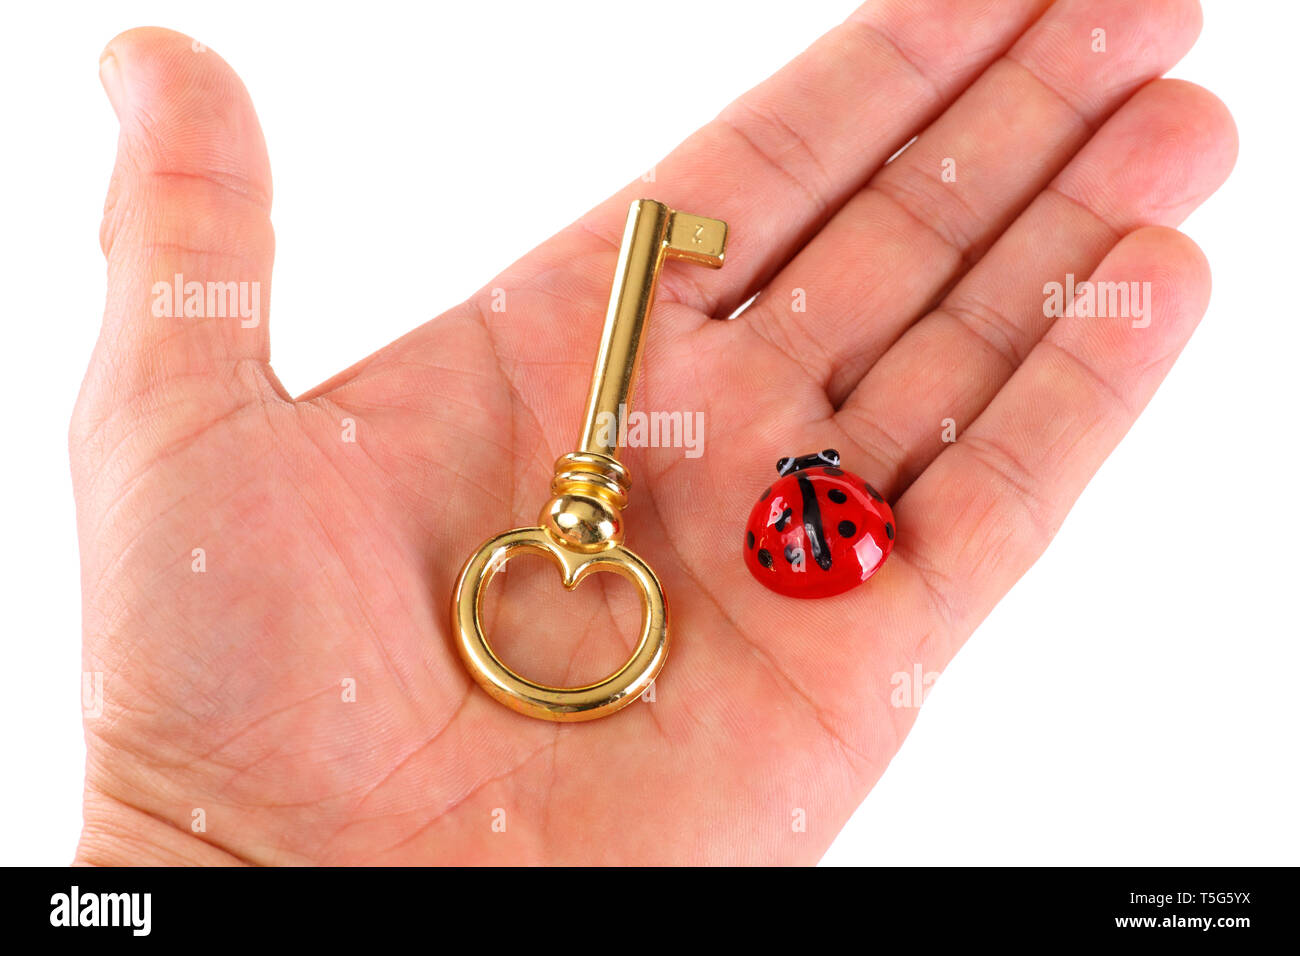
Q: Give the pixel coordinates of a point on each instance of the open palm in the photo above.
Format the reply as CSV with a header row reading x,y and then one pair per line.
x,y
265,579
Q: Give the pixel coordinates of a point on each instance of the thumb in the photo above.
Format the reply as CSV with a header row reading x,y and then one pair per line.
x,y
186,231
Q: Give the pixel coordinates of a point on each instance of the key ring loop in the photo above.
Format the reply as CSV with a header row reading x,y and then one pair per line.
x,y
541,700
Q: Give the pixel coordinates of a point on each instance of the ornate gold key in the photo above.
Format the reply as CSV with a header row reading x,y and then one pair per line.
x,y
581,526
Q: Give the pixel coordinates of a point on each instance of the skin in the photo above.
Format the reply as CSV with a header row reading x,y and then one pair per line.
x,y
329,560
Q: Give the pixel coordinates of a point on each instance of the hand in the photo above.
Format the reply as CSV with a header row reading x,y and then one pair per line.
x,y
246,568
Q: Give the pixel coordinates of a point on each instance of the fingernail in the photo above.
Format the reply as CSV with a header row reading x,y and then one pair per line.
x,y
110,74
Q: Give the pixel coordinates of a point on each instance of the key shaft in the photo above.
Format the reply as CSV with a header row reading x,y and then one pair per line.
x,y
653,233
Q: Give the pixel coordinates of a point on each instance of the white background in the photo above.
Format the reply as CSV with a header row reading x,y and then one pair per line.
x,y
1132,701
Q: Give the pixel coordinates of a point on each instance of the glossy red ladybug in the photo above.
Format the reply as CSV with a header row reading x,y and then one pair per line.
x,y
818,531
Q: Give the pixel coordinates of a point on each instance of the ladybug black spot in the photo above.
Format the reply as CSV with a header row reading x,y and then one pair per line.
x,y
889,530
833,472
793,553
749,540
847,529
873,492
763,496
837,496
765,557
784,520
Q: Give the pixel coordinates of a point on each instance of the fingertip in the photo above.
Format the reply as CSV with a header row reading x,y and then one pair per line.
x,y
1151,245
1172,260
1195,16
1174,278
137,57
143,44
183,109
1208,123
1169,148
1181,18
1091,50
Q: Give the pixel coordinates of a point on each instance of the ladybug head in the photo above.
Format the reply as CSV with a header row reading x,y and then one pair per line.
x,y
827,457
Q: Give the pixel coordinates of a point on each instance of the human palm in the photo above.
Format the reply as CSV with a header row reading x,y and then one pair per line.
x,y
266,579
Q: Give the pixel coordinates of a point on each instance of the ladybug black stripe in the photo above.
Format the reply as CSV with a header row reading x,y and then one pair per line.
x,y
812,524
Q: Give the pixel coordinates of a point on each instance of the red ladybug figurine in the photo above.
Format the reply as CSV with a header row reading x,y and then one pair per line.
x,y
818,531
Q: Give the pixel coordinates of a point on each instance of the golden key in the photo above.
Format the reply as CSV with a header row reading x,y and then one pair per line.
x,y
581,527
